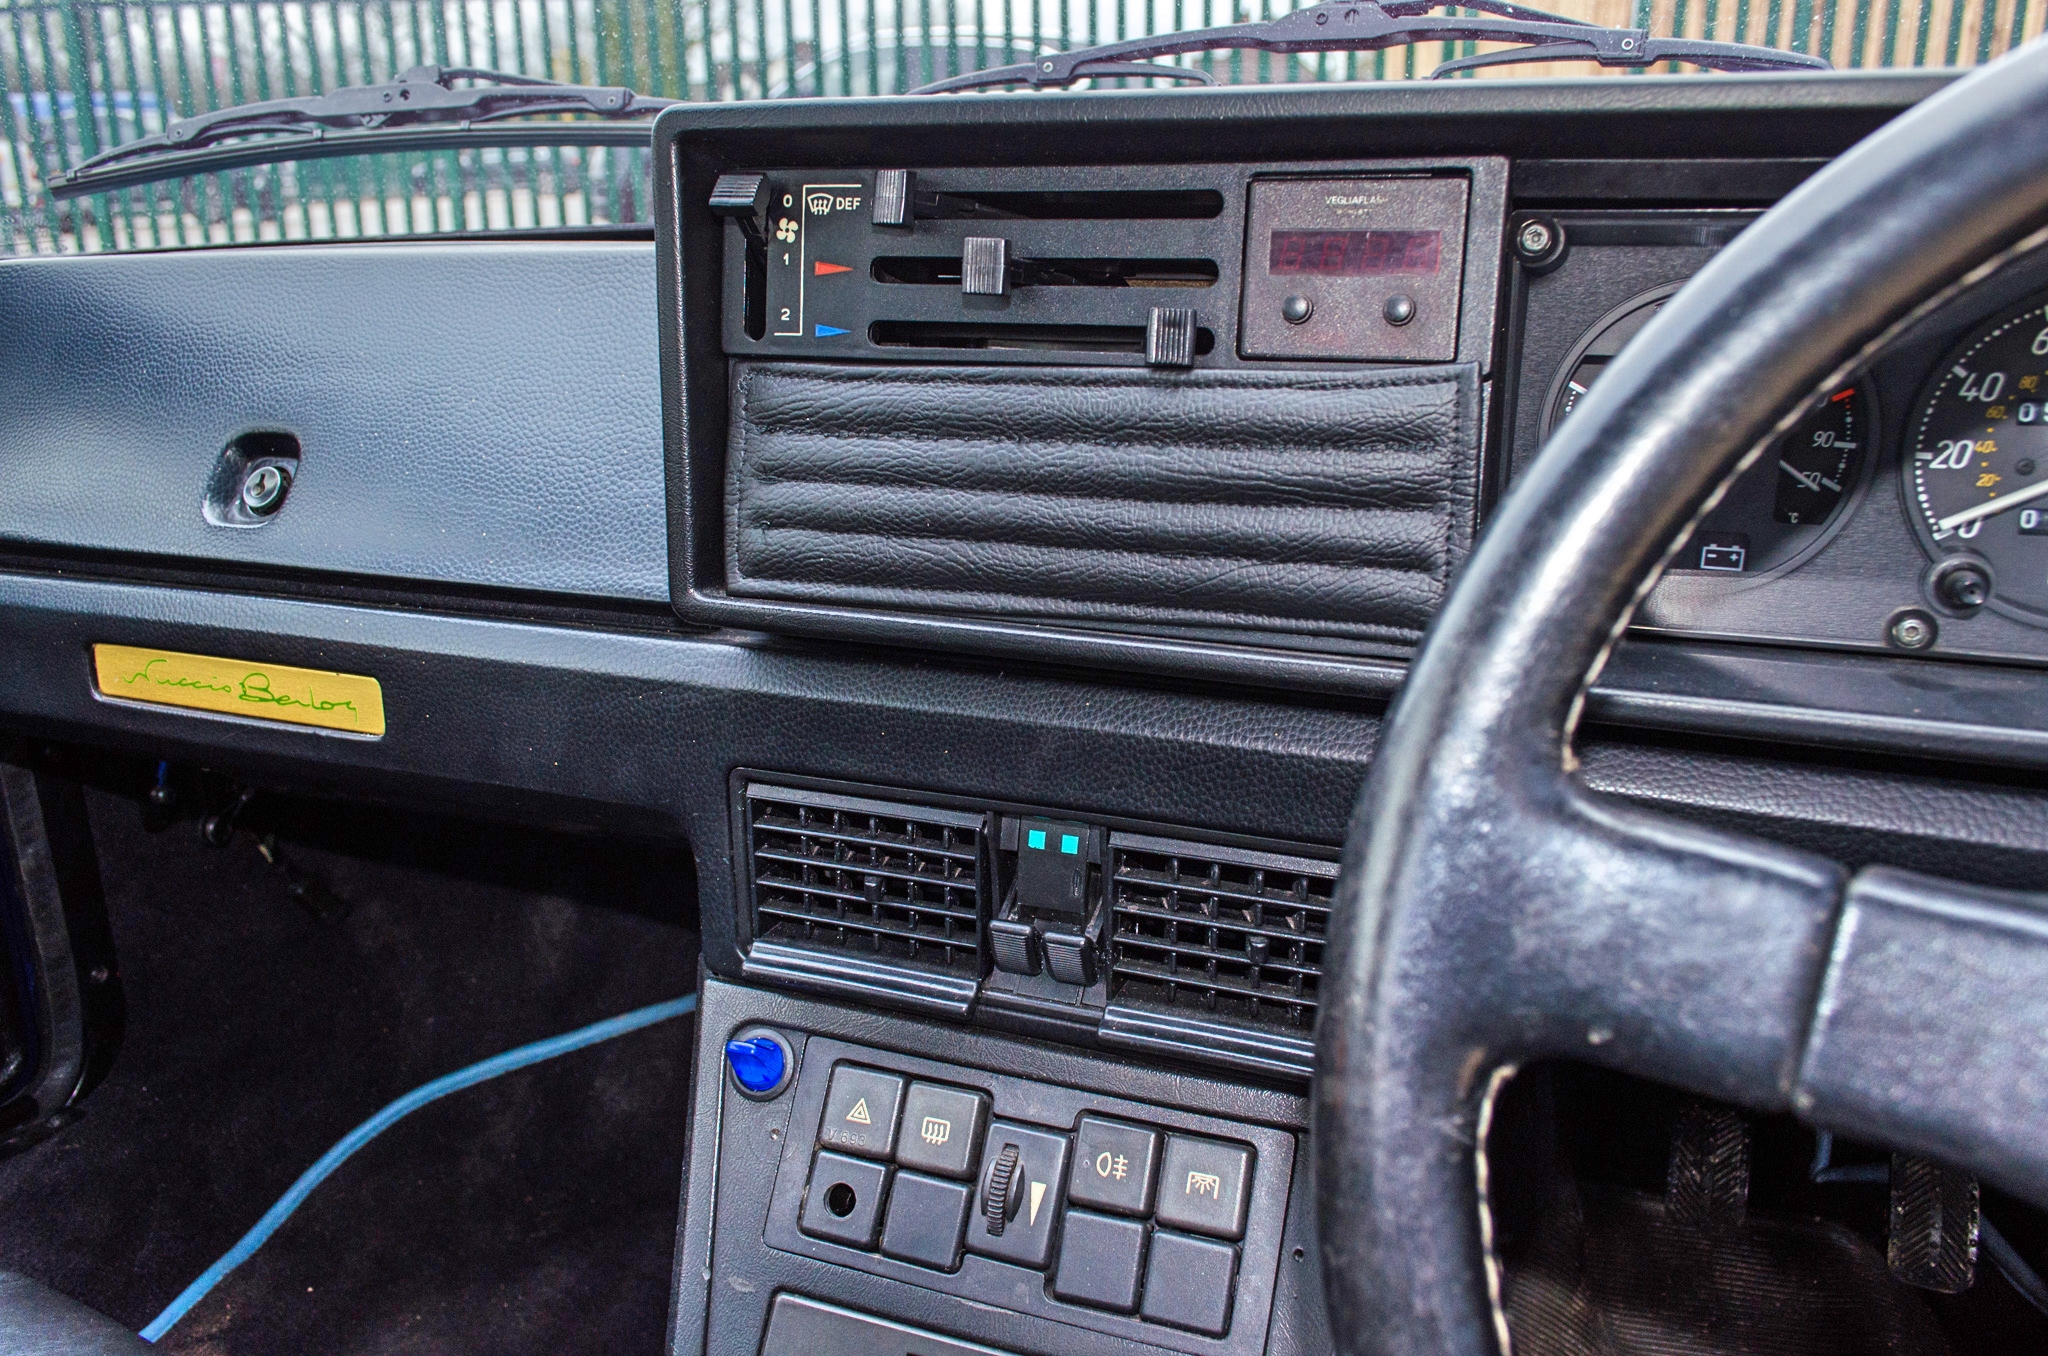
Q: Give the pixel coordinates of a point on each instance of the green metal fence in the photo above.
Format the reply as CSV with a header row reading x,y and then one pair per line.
x,y
79,76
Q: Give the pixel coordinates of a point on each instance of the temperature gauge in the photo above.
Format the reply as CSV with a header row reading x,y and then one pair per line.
x,y
1819,461
1784,506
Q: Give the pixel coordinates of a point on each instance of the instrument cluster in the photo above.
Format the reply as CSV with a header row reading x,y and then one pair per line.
x,y
1907,511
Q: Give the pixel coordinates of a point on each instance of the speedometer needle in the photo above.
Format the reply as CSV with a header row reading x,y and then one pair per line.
x,y
1990,507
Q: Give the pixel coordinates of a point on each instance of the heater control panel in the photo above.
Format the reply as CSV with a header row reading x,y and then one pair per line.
x,y
1167,267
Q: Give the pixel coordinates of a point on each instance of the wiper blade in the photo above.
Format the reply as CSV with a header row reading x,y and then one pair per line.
x,y
1367,26
422,95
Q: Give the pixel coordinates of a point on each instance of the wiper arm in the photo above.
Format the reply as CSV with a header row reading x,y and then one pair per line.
x,y
1367,26
424,94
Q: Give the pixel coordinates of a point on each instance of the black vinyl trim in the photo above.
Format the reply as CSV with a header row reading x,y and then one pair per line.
x,y
845,976
1178,1036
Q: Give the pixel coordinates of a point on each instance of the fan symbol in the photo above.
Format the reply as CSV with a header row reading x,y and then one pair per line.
x,y
785,230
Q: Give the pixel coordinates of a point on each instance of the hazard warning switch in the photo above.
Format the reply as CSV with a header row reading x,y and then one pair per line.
x,y
861,1107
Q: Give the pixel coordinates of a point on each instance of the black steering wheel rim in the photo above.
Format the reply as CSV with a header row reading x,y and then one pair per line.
x,y
1490,912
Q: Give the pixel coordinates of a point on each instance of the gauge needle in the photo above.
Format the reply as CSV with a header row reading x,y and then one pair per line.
x,y
1990,507
1812,480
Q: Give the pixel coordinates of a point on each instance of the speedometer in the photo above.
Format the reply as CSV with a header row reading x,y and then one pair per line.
x,y
1977,466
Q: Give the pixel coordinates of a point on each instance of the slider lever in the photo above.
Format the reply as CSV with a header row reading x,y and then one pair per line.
x,y
894,203
1170,337
743,197
985,266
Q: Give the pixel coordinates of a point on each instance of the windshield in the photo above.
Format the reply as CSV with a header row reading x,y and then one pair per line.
x,y
78,77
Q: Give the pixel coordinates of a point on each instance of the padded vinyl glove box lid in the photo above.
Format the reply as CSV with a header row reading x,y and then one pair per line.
x,y
1315,502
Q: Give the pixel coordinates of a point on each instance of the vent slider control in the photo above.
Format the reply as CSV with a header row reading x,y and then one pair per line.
x,y
744,198
985,266
1170,337
893,190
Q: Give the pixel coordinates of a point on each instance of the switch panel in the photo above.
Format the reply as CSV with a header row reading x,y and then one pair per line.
x,y
1167,268
1157,1225
927,1219
1187,1282
1100,1256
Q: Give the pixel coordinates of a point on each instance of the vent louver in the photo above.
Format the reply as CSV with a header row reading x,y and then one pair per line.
x,y
897,885
1220,934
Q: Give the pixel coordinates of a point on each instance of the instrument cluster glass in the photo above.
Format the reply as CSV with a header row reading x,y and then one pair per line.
x,y
1779,511
1976,466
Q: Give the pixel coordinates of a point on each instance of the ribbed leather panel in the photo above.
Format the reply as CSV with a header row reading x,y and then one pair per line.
x,y
1326,503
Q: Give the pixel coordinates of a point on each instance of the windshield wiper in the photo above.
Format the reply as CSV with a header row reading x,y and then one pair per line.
x,y
424,95
1366,26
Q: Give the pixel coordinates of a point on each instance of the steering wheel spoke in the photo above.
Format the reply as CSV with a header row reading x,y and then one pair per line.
x,y
1932,990
1664,950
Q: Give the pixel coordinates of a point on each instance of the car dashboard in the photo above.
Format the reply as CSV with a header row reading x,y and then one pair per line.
x,y
989,531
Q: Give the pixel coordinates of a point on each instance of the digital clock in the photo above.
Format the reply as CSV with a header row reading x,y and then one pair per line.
x,y
1354,253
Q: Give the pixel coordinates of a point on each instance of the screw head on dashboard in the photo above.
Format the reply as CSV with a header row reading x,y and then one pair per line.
x,y
1539,243
264,489
1296,309
1911,629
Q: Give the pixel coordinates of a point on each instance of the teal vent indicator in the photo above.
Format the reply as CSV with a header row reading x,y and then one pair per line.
x,y
1052,870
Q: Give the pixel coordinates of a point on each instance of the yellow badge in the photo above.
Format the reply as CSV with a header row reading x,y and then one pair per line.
x,y
332,701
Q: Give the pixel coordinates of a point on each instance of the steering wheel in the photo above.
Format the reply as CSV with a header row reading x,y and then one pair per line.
x,y
1491,912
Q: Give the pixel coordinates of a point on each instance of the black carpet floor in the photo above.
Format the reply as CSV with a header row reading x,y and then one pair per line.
x,y
534,1213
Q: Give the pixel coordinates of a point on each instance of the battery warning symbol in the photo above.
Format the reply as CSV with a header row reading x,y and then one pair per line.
x,y
1725,554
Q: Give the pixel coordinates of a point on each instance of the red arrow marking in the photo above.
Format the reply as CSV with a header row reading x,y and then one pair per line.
x,y
821,268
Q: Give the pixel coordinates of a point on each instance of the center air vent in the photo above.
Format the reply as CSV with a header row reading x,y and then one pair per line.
x,y
1223,935
866,896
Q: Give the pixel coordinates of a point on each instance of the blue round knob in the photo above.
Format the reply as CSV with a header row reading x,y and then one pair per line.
x,y
759,1062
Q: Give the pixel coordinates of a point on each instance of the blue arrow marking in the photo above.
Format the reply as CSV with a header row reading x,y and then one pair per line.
x,y
825,330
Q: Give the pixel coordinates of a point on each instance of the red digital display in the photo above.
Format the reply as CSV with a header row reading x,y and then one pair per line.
x,y
1354,253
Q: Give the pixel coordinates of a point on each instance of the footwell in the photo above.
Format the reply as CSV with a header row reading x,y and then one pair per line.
x,y
535,1212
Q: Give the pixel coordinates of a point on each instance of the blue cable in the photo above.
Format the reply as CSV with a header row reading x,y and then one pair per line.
x,y
390,1115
